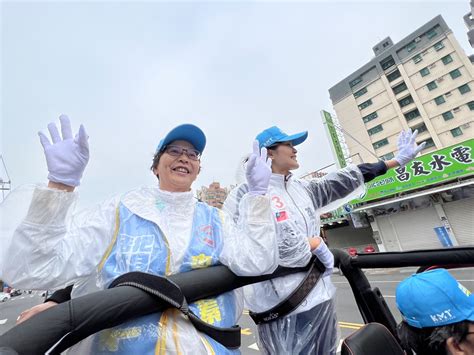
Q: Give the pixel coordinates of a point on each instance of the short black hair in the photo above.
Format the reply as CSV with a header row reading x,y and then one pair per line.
x,y
156,160
431,340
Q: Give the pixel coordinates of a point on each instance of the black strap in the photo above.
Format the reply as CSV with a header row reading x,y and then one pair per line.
x,y
170,292
294,299
229,337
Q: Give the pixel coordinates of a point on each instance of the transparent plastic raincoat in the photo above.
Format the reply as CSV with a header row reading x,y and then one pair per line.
x,y
297,205
147,230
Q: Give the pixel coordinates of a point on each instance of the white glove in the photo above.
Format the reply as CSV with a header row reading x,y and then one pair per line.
x,y
258,171
67,157
324,255
407,148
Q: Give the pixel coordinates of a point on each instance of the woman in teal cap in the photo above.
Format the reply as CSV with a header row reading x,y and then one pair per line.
x,y
310,327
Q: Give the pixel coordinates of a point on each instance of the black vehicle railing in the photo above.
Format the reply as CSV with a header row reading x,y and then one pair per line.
x,y
77,319
370,301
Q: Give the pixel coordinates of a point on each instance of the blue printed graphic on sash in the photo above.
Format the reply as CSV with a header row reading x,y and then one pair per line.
x,y
219,311
136,252
138,336
140,246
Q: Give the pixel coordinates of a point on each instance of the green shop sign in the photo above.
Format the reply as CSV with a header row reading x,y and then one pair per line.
x,y
336,144
432,168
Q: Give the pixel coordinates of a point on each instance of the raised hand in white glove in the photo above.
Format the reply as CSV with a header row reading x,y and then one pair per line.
x,y
66,157
258,171
407,148
324,255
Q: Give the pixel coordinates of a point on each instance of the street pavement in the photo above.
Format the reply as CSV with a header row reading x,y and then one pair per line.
x,y
11,309
348,315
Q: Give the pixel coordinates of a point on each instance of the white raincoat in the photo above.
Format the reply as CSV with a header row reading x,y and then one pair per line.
x,y
52,248
297,205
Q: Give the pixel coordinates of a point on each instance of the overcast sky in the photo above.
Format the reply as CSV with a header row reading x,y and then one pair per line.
x,y
132,71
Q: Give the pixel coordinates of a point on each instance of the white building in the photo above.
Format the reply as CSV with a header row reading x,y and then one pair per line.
x,y
423,82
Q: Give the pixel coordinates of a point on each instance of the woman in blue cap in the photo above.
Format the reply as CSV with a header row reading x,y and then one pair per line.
x,y
438,314
310,327
160,230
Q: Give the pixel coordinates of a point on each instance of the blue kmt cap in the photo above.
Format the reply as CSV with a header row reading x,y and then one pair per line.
x,y
274,135
434,298
185,132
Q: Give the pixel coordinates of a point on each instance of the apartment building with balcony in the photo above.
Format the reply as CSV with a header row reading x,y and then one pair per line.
x,y
424,82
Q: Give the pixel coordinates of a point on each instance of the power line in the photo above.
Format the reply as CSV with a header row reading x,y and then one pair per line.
x,y
355,139
4,185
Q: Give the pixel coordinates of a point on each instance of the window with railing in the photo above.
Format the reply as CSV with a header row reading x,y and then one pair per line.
x,y
412,115
438,46
424,72
392,76
387,156
431,33
375,129
455,73
464,89
429,143
410,46
417,58
405,101
360,92
387,63
439,100
456,132
421,128
448,115
365,104
380,143
399,88
355,82
447,59
370,117
431,85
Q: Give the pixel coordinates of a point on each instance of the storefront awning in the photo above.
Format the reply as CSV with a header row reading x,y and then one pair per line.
x,y
416,194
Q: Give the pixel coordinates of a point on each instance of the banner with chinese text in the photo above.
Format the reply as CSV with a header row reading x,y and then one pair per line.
x,y
432,168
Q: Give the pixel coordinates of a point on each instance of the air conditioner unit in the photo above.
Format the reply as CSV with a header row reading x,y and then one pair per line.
x,y
417,39
432,65
466,125
456,109
439,79
448,94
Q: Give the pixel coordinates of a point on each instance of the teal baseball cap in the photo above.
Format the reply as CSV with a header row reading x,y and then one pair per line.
x,y
433,299
275,135
185,132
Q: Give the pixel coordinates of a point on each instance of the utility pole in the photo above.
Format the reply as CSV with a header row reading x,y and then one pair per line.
x,y
5,182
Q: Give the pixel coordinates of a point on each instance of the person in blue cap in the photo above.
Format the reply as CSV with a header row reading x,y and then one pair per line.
x,y
438,314
159,229
311,327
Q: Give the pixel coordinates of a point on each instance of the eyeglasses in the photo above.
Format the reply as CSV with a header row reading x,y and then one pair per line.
x,y
177,151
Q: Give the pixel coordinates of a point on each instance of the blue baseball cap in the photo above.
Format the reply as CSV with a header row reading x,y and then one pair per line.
x,y
274,135
433,299
185,132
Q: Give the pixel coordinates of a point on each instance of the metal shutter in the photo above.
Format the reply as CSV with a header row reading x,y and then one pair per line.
x,y
461,218
387,233
415,229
